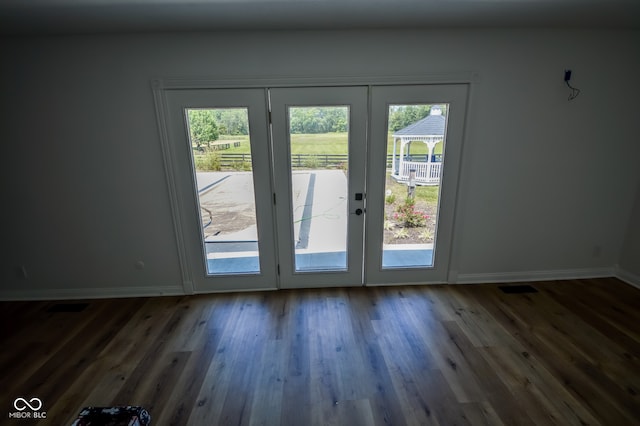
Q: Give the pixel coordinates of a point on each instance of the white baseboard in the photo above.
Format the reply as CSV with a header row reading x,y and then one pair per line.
x,y
483,278
627,277
90,293
562,274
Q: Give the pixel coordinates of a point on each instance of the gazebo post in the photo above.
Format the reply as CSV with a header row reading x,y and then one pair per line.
x,y
430,145
401,166
393,158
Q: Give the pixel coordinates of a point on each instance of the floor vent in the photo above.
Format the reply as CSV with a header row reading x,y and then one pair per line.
x,y
68,307
517,289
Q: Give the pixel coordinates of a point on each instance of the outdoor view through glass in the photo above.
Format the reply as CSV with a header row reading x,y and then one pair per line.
x,y
221,155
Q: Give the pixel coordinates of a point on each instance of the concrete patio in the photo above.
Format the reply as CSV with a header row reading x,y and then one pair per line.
x,y
320,219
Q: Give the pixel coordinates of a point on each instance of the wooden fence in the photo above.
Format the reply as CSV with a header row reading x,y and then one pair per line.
x,y
309,161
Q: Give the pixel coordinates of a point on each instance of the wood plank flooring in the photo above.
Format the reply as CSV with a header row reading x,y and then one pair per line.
x,y
427,355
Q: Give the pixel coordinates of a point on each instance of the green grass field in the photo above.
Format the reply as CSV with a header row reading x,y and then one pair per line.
x,y
336,143
321,143
425,193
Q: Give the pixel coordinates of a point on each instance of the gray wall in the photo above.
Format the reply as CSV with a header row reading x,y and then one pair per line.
x,y
547,184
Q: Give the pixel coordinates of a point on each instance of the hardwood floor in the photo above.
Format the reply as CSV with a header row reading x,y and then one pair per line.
x,y
435,355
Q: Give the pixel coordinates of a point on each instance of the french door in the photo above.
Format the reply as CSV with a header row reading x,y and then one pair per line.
x,y
223,211
409,241
321,216
314,186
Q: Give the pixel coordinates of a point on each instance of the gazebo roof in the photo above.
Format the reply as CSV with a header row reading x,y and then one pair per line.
x,y
431,125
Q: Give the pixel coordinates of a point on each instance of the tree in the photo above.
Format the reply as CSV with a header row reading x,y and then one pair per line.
x,y
202,126
318,119
232,121
401,116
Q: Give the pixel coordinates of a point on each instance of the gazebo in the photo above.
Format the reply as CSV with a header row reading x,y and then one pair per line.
x,y
430,131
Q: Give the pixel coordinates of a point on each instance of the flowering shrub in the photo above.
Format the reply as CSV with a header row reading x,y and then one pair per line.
x,y
408,215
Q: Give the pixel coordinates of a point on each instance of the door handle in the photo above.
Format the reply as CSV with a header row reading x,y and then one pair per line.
x,y
359,212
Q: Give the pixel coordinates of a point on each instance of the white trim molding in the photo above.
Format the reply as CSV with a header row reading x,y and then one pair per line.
x,y
90,293
528,276
244,82
165,143
627,277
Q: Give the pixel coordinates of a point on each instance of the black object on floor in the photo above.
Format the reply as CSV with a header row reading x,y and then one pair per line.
x,y
113,416
68,307
517,289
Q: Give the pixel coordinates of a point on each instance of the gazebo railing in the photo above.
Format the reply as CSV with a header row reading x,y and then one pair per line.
x,y
426,173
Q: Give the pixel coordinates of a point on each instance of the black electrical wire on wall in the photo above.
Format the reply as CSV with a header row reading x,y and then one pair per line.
x,y
574,91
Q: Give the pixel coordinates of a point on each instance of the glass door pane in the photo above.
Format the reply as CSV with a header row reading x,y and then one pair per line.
x,y
319,146
415,159
221,154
